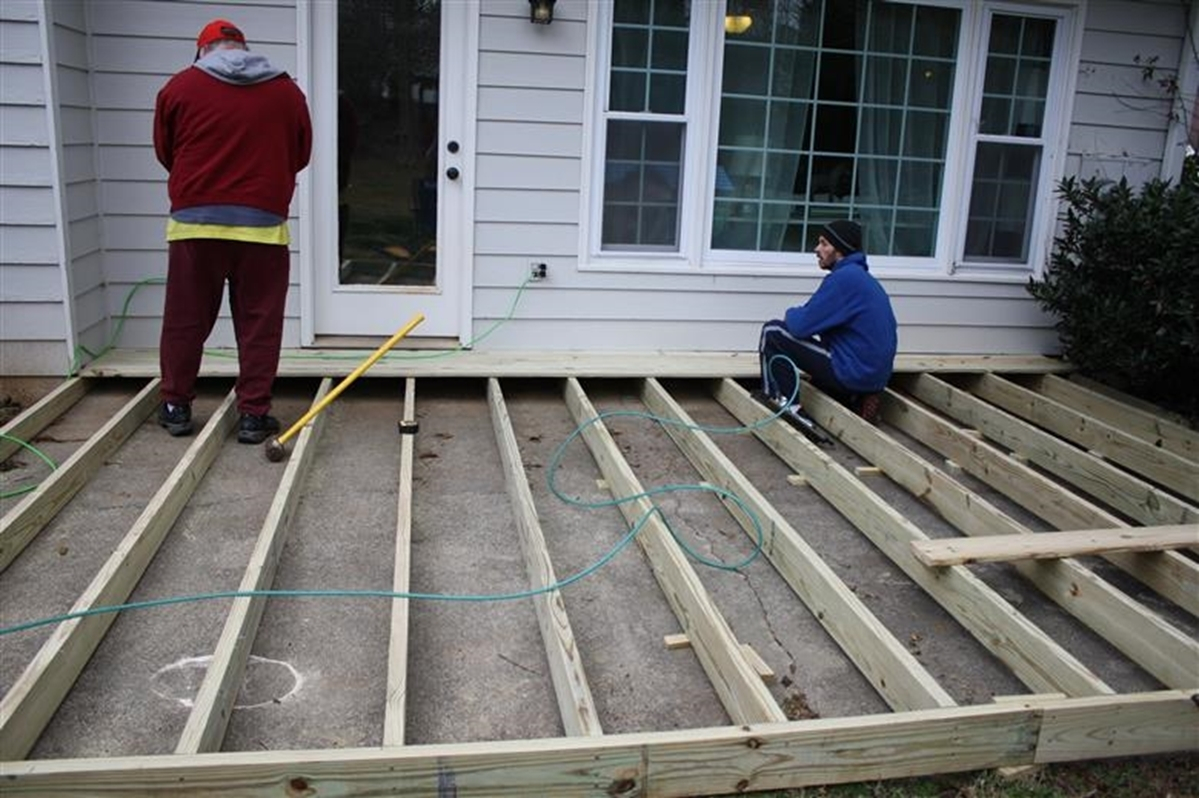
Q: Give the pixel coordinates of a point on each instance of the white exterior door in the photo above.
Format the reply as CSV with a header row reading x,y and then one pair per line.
x,y
390,202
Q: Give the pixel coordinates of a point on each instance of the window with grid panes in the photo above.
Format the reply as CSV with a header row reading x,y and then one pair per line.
x,y
643,163
1010,140
834,110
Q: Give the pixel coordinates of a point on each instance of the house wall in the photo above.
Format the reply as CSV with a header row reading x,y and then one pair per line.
x,y
530,174
1123,106
108,60
34,324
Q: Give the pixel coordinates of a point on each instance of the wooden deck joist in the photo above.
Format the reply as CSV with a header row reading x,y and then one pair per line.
x,y
1073,714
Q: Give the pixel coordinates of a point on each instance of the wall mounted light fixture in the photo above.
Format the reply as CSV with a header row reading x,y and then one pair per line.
x,y
736,24
541,12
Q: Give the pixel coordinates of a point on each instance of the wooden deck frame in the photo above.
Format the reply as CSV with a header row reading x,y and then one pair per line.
x,y
1035,658
896,675
1143,636
23,523
30,703
1151,428
1164,467
1171,575
756,755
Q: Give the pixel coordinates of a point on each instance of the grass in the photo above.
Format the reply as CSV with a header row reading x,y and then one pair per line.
x,y
1172,776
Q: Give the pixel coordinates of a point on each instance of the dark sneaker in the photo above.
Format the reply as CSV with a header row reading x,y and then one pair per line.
x,y
176,419
869,407
256,429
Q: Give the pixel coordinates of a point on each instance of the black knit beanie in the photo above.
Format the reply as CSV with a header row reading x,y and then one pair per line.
x,y
844,235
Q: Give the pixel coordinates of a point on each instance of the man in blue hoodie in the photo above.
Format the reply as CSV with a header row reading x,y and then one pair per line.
x,y
844,338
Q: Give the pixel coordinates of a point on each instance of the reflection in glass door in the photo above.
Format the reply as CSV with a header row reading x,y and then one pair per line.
x,y
387,117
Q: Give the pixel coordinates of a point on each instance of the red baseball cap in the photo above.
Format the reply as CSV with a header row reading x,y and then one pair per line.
x,y
218,30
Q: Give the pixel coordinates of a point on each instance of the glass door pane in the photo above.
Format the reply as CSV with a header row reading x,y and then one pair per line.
x,y
387,117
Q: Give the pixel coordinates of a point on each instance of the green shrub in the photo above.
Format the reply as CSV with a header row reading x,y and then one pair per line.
x,y
1123,282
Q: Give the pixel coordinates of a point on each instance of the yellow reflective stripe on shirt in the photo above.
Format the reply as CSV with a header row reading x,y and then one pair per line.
x,y
181,231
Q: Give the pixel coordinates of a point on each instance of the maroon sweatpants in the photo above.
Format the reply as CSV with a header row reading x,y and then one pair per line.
x,y
197,272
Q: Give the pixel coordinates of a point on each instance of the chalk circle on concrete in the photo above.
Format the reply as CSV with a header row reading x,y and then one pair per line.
x,y
266,681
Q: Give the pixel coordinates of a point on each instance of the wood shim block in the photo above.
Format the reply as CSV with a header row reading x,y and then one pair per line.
x,y
867,471
798,480
757,663
952,467
1054,545
972,433
602,484
677,641
1019,458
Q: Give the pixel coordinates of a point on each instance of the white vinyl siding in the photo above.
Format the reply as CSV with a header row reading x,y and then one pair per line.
x,y
534,124
1121,115
33,305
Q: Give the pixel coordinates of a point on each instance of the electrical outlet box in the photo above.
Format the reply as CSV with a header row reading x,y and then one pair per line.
x,y
537,270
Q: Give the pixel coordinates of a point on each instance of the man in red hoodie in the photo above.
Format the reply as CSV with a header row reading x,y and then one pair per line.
x,y
233,131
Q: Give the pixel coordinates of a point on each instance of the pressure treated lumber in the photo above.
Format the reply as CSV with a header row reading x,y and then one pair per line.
x,y
26,520
885,662
540,363
1054,545
396,709
1155,464
1170,574
1113,486
1149,427
1034,657
39,415
37,693
213,705
1143,636
691,762
741,691
575,702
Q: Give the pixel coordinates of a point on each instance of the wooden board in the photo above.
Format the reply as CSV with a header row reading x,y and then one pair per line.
x,y
506,363
40,415
680,763
396,711
1054,545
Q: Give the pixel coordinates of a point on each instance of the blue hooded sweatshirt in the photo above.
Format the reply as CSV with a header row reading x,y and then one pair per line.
x,y
852,315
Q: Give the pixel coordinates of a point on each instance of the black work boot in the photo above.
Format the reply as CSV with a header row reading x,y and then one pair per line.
x,y
176,419
256,429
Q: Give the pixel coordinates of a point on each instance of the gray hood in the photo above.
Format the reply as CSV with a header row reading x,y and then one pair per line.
x,y
239,67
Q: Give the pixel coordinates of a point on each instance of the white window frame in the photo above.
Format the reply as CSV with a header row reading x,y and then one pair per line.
x,y
701,119
1054,136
